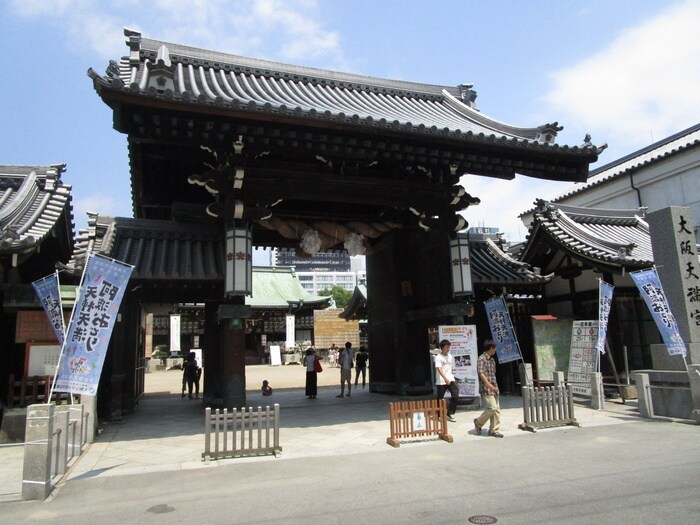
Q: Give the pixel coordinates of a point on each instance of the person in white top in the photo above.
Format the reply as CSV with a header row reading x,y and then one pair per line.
x,y
445,379
345,361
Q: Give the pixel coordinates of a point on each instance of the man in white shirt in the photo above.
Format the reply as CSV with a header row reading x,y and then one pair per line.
x,y
445,379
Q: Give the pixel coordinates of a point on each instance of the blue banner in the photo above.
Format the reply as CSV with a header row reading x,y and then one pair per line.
x,y
649,286
50,298
507,348
90,328
605,295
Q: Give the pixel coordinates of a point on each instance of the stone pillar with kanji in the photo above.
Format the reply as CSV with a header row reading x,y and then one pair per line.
x,y
676,260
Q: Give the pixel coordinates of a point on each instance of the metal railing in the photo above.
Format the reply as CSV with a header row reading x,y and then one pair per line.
x,y
241,432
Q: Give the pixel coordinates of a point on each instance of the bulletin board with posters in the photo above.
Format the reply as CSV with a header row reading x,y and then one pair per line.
x,y
463,347
552,340
41,359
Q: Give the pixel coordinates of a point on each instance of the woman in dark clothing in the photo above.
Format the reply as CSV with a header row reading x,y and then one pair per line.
x,y
191,373
311,374
361,365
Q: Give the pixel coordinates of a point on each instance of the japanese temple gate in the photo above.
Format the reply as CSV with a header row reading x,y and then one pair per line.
x,y
286,156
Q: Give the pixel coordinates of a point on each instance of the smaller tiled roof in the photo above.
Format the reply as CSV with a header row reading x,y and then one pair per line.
x,y
279,287
158,250
616,238
681,141
33,203
169,251
357,305
492,265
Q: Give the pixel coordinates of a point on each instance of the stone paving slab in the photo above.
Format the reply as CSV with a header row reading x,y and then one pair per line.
x,y
166,432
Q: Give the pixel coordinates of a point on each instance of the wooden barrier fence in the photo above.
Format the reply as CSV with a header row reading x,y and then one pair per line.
x,y
241,432
545,407
31,390
411,419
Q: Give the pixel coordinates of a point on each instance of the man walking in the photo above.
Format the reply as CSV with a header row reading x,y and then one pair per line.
x,y
345,361
445,379
488,388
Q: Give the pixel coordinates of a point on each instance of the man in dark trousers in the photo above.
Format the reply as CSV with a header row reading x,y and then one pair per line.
x,y
191,373
445,379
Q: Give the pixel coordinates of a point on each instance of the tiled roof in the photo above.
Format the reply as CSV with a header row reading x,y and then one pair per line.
x,y
168,251
33,201
277,287
178,73
686,139
618,238
491,265
357,305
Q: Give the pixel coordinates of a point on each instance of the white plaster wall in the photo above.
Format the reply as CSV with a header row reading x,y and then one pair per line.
x,y
673,181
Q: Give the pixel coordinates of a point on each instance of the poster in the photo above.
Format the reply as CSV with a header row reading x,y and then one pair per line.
x,y
463,347
41,359
275,356
583,360
175,335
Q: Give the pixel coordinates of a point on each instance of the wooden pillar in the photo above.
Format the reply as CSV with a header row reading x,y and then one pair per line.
x,y
409,281
231,316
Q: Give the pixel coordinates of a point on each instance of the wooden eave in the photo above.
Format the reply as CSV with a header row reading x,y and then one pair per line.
x,y
470,153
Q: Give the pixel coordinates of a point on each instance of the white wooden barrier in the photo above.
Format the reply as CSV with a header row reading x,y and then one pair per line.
x,y
545,407
241,432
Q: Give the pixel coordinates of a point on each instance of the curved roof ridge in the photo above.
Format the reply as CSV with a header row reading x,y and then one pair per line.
x,y
472,113
218,58
31,206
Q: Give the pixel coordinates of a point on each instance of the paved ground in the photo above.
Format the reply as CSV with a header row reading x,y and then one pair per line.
x,y
165,434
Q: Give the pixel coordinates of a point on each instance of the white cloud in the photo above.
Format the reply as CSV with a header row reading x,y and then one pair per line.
x,y
98,203
644,83
289,30
503,200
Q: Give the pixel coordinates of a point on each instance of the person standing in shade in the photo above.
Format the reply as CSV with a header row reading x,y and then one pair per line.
x,y
361,365
345,361
445,379
191,374
311,375
488,388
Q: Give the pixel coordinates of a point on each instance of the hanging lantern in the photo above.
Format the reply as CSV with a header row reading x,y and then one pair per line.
x,y
461,266
239,259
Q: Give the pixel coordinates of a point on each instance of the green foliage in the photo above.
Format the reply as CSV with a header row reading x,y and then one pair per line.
x,y
340,295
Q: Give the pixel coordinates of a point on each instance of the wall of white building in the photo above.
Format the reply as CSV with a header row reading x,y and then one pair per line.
x,y
672,181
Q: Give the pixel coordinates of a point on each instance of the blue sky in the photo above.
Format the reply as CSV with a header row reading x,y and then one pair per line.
x,y
625,71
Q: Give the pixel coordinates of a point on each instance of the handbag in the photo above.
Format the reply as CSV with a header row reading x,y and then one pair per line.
x,y
317,365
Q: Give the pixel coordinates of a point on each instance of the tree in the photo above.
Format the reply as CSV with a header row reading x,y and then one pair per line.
x,y
340,295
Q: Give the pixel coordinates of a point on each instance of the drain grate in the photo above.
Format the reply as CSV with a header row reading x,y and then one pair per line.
x,y
482,519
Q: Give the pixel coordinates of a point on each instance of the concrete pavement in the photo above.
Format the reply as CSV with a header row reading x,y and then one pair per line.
x,y
165,433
